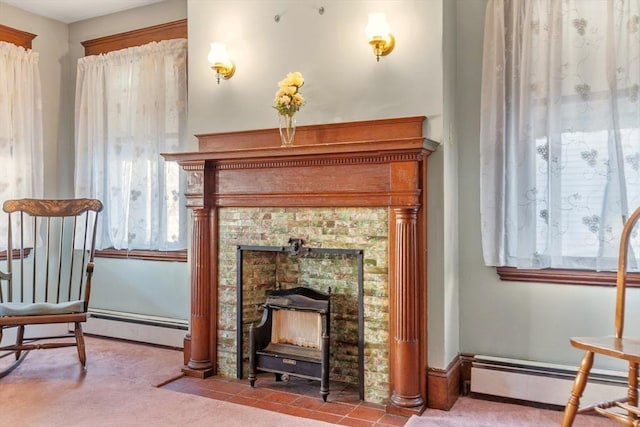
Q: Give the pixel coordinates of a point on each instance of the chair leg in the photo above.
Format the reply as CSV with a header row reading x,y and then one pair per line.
x,y
19,340
579,384
632,391
19,354
82,355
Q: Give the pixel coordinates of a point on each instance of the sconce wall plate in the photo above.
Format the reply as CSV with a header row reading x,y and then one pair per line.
x,y
382,47
224,71
221,64
380,37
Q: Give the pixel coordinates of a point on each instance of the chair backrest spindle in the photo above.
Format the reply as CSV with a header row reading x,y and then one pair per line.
x,y
60,253
9,258
72,253
22,259
47,257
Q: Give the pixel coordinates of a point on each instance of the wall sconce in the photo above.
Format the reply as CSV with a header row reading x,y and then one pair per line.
x,y
220,62
380,37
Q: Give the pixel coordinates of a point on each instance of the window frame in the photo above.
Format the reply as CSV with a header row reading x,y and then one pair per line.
x,y
17,37
565,276
146,255
167,31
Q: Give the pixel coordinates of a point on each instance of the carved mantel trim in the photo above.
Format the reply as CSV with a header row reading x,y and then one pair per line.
x,y
376,163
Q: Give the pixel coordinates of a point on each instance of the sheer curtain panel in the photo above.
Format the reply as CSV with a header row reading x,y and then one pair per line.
x,y
21,137
130,107
560,141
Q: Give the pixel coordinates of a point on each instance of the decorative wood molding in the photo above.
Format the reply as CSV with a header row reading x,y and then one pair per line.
x,y
376,163
200,360
15,253
344,160
341,136
570,277
444,384
406,398
17,37
175,256
156,33
466,364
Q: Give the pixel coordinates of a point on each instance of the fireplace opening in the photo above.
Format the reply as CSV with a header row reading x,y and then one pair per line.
x,y
262,270
293,337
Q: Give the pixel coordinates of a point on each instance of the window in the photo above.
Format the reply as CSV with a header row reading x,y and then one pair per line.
x,y
560,138
130,107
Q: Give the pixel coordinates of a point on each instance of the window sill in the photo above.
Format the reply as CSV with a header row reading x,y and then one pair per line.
x,y
571,277
175,256
15,254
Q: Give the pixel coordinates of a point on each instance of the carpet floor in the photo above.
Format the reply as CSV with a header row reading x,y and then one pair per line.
x,y
121,388
471,412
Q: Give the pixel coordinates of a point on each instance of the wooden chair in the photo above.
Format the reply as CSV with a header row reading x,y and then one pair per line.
x,y
624,410
47,273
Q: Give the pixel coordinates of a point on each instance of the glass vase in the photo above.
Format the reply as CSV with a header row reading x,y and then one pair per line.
x,y
287,129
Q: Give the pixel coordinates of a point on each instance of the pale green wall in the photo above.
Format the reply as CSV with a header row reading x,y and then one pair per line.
x,y
144,287
343,83
343,80
480,314
52,47
528,321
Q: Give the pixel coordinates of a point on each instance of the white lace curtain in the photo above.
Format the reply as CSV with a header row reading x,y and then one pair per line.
x,y
560,144
130,107
21,138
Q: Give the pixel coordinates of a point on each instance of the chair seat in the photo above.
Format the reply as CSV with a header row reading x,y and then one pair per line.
x,y
13,309
627,348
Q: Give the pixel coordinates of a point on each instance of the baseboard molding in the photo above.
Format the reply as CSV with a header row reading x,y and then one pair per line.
x,y
136,327
443,385
541,383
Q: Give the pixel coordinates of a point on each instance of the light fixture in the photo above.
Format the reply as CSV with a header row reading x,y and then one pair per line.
x,y
380,37
220,62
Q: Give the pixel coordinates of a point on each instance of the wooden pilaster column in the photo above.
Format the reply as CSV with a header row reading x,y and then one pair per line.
x,y
406,395
200,364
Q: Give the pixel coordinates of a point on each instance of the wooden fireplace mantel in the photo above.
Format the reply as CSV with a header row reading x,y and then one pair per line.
x,y
376,163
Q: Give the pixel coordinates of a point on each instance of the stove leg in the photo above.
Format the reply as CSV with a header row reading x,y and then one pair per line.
x,y
324,375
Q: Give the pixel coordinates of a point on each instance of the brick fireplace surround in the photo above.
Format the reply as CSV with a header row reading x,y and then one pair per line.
x,y
377,163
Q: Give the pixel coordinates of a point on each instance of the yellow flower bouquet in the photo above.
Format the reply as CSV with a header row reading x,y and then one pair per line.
x,y
288,98
288,101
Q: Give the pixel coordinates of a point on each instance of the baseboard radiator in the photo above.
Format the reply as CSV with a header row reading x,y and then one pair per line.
x,y
540,382
137,327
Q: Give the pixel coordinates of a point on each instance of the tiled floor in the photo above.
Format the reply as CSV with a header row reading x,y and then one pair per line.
x,y
297,397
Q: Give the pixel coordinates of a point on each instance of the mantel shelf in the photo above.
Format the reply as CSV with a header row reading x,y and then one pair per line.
x,y
323,149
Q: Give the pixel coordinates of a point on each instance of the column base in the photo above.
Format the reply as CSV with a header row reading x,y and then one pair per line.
x,y
405,411
198,373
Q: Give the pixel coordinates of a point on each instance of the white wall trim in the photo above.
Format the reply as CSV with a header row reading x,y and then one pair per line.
x,y
136,327
541,382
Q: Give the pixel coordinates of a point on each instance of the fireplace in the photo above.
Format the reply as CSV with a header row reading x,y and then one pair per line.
x,y
377,164
293,337
263,270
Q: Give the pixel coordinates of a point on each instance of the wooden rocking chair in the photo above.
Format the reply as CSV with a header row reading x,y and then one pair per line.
x,y
46,278
624,410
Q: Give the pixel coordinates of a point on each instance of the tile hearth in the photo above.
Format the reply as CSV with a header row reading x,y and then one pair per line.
x,y
298,397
